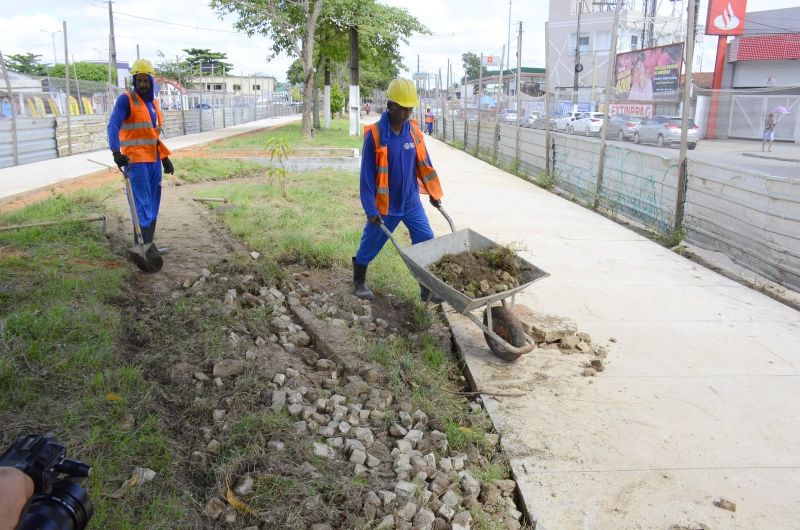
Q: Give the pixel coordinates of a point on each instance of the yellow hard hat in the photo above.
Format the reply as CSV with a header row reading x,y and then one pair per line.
x,y
142,66
402,92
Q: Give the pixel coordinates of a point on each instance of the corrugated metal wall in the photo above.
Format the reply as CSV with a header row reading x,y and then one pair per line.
x,y
36,140
46,138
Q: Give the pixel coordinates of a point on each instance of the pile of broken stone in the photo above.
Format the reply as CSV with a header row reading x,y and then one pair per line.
x,y
349,416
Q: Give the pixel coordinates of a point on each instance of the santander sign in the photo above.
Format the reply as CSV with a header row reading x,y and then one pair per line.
x,y
725,17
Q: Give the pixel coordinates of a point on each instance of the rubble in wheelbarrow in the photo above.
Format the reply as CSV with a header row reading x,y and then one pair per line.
x,y
482,272
562,333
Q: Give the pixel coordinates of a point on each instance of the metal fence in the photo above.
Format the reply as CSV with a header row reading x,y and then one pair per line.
x,y
34,124
751,217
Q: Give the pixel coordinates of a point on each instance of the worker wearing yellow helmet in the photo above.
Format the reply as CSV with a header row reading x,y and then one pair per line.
x,y
395,169
134,128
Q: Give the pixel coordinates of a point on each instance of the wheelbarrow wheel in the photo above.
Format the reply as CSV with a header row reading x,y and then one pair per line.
x,y
505,324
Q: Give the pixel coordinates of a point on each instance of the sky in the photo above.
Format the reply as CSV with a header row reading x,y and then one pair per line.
x,y
457,26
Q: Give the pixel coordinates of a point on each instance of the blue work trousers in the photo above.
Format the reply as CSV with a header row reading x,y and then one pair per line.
x,y
373,238
146,184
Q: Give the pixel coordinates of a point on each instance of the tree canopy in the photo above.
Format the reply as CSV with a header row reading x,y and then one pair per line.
x,y
26,63
85,71
472,66
197,58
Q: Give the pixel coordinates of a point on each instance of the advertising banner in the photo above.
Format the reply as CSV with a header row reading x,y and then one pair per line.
x,y
652,74
725,17
491,60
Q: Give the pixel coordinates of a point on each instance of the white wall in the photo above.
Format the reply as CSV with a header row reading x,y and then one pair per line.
x,y
758,73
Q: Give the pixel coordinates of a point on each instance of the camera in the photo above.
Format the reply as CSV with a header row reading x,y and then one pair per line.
x,y
58,503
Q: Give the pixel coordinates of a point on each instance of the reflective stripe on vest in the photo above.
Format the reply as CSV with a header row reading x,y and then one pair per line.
x,y
138,137
426,175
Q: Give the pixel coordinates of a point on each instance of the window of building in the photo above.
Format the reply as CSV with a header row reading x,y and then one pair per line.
x,y
256,87
208,88
218,86
602,41
584,42
237,88
634,42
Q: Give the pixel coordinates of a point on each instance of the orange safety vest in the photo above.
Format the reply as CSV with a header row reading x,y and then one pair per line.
x,y
138,139
429,118
426,176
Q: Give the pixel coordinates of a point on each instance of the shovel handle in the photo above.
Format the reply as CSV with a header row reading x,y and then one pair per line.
x,y
132,204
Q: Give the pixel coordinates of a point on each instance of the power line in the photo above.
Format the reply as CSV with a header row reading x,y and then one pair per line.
x,y
180,25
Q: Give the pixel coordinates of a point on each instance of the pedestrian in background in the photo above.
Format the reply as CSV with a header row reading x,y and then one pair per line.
x,y
395,169
429,121
768,135
133,137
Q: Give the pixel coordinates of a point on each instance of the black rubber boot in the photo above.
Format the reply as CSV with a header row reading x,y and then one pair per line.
x,y
360,288
147,234
426,295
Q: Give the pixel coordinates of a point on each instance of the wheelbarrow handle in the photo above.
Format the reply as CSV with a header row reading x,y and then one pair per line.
x,y
447,217
394,241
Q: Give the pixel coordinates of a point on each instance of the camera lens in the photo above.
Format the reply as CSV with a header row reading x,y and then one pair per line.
x,y
67,507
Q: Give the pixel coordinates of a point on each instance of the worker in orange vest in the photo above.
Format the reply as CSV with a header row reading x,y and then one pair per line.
x,y
395,169
429,121
133,130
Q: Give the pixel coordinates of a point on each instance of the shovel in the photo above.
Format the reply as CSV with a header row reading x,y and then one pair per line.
x,y
146,256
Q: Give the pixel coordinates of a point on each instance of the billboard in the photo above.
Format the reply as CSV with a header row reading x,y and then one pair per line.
x,y
652,74
644,110
725,17
491,60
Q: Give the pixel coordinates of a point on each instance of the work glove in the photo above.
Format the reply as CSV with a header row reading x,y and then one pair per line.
x,y
436,202
169,169
120,159
375,219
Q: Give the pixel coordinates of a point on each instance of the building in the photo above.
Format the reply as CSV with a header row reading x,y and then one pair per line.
x,y
640,26
532,81
236,85
766,54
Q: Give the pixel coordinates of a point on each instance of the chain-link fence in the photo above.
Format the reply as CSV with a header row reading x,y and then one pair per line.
x,y
43,118
751,216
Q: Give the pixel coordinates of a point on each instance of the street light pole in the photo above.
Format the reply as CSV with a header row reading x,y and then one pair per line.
x,y
53,37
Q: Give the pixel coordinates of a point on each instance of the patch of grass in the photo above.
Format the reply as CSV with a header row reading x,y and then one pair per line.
x,y
60,366
459,436
337,136
671,239
491,472
544,180
211,169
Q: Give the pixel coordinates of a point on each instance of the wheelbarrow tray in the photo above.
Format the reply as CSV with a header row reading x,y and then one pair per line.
x,y
418,257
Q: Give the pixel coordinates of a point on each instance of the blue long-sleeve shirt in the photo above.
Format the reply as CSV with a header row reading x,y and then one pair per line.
x,y
121,112
403,186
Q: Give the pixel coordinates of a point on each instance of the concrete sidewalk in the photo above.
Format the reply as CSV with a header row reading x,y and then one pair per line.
x,y
26,178
699,399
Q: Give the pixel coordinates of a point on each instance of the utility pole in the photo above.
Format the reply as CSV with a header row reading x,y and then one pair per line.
x,y
578,65
327,94
112,48
519,88
14,142
612,65
137,51
53,37
66,75
508,44
687,89
419,99
355,97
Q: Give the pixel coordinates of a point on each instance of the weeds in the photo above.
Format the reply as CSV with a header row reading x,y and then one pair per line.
x,y
278,148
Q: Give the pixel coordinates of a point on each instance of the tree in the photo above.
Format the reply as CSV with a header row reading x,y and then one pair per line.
x,y
291,25
295,73
26,63
337,98
472,66
84,71
204,61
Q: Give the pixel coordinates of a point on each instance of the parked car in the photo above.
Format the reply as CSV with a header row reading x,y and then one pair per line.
x,y
561,121
622,127
528,120
586,123
665,130
508,116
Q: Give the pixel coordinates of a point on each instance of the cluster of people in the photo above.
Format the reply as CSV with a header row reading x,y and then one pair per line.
x,y
395,168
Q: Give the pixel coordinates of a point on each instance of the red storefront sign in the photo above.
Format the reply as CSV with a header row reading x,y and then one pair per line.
x,y
725,17
644,110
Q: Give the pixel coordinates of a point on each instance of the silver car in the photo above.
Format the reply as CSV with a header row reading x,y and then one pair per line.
x,y
623,127
665,130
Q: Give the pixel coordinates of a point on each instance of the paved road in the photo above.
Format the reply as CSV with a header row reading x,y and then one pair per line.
x,y
731,153
699,397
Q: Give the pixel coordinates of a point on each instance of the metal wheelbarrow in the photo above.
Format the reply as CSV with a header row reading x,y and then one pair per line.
x,y
500,325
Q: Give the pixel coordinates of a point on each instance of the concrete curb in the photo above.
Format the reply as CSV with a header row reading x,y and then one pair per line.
x,y
771,157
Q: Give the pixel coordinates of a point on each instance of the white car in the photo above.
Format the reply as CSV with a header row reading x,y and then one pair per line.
x,y
563,120
586,123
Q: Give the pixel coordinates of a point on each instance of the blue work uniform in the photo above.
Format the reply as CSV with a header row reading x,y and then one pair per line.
x,y
404,201
145,177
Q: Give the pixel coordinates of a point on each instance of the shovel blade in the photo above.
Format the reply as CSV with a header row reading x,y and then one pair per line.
x,y
146,257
